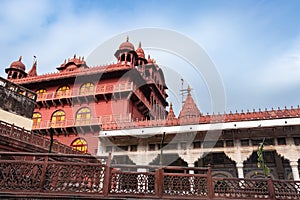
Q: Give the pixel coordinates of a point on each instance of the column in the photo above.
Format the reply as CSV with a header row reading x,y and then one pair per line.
x,y
191,165
295,171
240,171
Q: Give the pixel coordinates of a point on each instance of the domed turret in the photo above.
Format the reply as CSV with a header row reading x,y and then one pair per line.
x,y
18,64
16,70
126,54
126,45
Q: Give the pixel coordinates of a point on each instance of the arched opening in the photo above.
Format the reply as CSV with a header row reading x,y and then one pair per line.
x,y
80,144
36,120
128,58
279,167
221,164
87,88
83,116
63,90
122,159
41,91
170,160
122,57
58,118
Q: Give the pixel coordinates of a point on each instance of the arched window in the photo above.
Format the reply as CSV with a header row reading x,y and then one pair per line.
x,y
63,90
36,118
87,88
40,91
83,116
80,144
58,118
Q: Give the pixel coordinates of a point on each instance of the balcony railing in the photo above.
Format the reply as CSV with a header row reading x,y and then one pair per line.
x,y
86,177
82,122
16,133
102,89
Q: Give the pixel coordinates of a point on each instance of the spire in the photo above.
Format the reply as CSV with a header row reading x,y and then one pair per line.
x,y
189,108
127,38
32,71
189,90
140,44
171,114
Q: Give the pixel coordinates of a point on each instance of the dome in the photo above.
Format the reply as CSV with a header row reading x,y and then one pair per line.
x,y
18,64
140,51
126,45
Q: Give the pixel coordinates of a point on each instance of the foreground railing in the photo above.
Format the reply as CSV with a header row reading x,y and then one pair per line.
x,y
38,175
20,134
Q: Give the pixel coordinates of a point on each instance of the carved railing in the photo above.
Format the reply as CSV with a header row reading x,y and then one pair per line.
x,y
102,89
20,134
40,175
108,119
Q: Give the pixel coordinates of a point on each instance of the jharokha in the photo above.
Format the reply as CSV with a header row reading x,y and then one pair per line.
x,y
121,108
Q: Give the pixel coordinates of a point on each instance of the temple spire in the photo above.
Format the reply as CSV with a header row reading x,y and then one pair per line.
x,y
32,71
189,108
171,114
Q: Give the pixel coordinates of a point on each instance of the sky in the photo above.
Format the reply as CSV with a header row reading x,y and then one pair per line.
x,y
254,45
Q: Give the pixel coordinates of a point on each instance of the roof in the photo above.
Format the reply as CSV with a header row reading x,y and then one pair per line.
x,y
66,74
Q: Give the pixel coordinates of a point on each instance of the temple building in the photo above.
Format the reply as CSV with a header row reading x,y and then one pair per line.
x,y
77,100
120,108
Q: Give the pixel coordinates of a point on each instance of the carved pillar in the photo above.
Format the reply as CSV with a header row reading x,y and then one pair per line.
x,y
295,171
239,154
240,170
191,164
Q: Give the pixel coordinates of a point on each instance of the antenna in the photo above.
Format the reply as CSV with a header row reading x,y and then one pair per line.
x,y
183,92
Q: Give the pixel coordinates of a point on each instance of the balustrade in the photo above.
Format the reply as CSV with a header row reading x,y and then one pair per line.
x,y
64,175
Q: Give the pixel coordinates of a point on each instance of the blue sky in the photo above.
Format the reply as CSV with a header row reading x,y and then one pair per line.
x,y
255,45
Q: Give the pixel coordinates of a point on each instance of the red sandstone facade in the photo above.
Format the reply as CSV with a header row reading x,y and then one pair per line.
x,y
77,99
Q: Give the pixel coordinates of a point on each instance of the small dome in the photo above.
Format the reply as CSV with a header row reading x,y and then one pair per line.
x,y
126,45
140,51
18,64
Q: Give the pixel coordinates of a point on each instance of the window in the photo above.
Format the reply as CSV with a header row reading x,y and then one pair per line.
x,y
40,91
229,143
80,144
197,145
108,149
281,141
133,147
83,116
87,88
36,118
63,90
151,147
58,118
245,143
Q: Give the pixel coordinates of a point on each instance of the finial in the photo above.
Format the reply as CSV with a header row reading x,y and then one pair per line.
x,y
65,61
140,44
82,58
20,58
171,105
74,55
148,56
189,89
127,38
